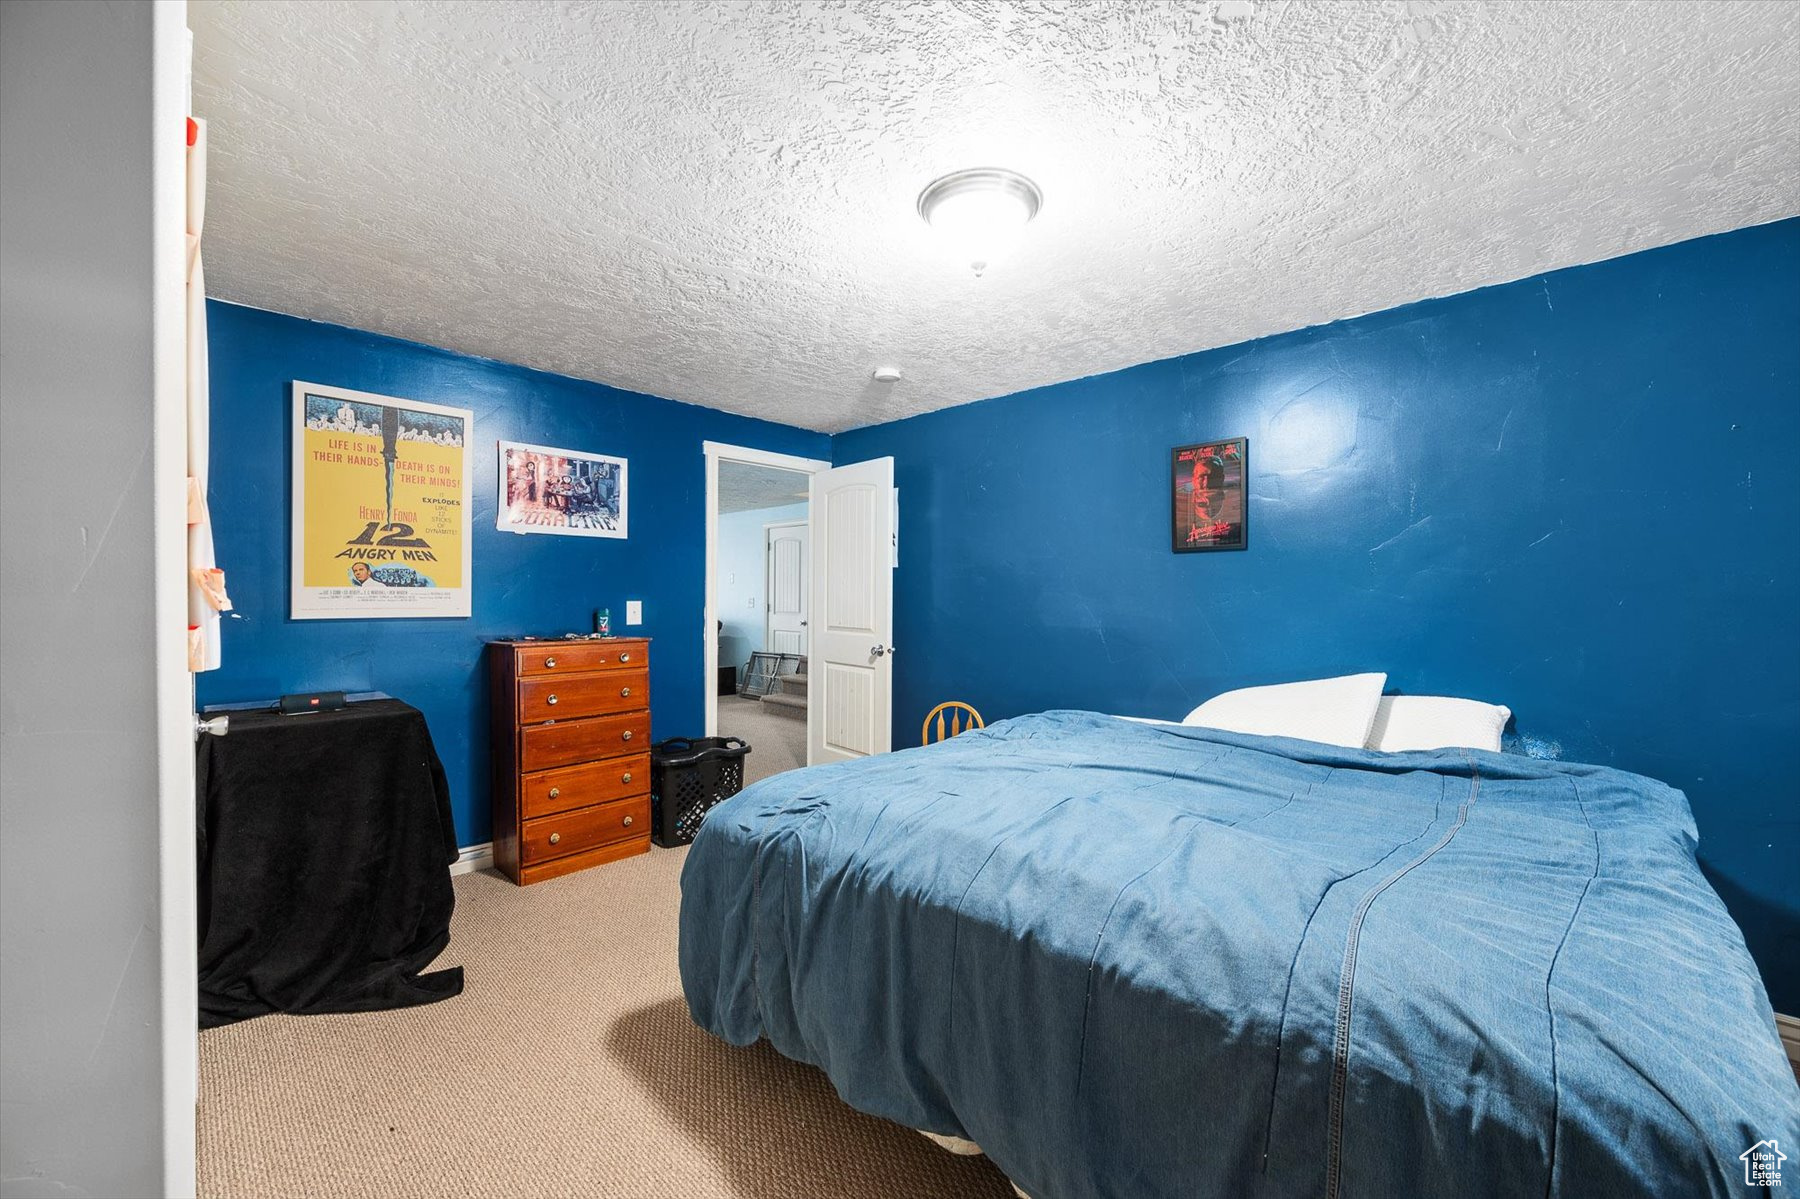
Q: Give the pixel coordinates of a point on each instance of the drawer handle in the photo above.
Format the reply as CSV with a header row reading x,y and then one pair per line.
x,y
552,700
556,838
626,778
625,736
624,691
549,663
624,657
555,791
627,822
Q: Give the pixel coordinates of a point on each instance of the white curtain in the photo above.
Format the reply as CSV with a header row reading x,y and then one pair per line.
x,y
206,583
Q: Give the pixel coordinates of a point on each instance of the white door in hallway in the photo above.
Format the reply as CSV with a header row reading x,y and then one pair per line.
x,y
785,559
852,666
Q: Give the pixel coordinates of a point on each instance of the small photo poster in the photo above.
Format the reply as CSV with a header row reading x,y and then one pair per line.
x,y
381,506
567,492
1209,489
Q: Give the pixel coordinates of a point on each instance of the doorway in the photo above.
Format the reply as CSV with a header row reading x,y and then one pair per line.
x,y
758,584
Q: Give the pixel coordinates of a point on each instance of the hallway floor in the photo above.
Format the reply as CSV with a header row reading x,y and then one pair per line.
x,y
777,740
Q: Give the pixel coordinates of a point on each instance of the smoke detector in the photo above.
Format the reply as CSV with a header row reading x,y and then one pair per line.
x,y
885,374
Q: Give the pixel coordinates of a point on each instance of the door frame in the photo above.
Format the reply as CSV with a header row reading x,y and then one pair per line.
x,y
178,951
769,577
717,452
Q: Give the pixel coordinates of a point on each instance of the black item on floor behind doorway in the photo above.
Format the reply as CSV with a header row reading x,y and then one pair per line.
x,y
765,667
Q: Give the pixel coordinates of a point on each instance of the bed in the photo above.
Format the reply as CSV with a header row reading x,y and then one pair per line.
x,y
1132,959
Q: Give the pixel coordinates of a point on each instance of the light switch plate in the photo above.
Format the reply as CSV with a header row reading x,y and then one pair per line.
x,y
634,611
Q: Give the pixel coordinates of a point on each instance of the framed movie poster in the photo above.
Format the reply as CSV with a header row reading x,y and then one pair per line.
x,y
381,506
542,490
1209,490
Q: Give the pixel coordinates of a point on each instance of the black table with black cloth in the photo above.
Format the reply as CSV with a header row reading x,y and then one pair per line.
x,y
325,841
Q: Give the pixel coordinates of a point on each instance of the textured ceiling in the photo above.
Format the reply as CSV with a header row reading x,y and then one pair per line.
x,y
744,487
714,202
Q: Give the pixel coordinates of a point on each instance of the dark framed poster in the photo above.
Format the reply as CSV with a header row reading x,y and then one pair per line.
x,y
544,490
1210,496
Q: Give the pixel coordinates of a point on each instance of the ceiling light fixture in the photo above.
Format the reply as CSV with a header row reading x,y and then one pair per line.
x,y
980,212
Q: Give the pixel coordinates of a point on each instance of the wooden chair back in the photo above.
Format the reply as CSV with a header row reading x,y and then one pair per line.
x,y
952,718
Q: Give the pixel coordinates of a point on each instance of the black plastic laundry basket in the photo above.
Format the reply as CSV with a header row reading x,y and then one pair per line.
x,y
688,775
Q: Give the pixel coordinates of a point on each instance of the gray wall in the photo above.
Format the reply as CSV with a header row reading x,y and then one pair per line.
x,y
80,1041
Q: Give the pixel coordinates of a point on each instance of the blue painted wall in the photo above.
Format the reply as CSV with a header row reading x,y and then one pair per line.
x,y
523,585
1577,494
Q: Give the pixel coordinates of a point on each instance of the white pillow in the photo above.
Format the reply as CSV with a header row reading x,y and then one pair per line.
x,y
1332,711
1405,722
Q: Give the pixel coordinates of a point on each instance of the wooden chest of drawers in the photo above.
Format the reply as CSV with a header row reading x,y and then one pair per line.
x,y
571,731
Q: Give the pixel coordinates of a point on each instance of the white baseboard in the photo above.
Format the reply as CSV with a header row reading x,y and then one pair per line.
x,y
1789,1028
480,857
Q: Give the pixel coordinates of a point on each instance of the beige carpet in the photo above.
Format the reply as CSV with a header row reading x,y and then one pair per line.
x,y
568,1067
777,740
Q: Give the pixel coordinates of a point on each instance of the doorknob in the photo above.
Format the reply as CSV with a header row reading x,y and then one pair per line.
x,y
876,651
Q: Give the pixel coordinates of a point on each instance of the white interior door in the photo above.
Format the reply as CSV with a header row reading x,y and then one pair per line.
x,y
785,553
852,666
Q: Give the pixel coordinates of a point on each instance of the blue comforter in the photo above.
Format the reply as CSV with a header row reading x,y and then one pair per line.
x,y
1135,960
